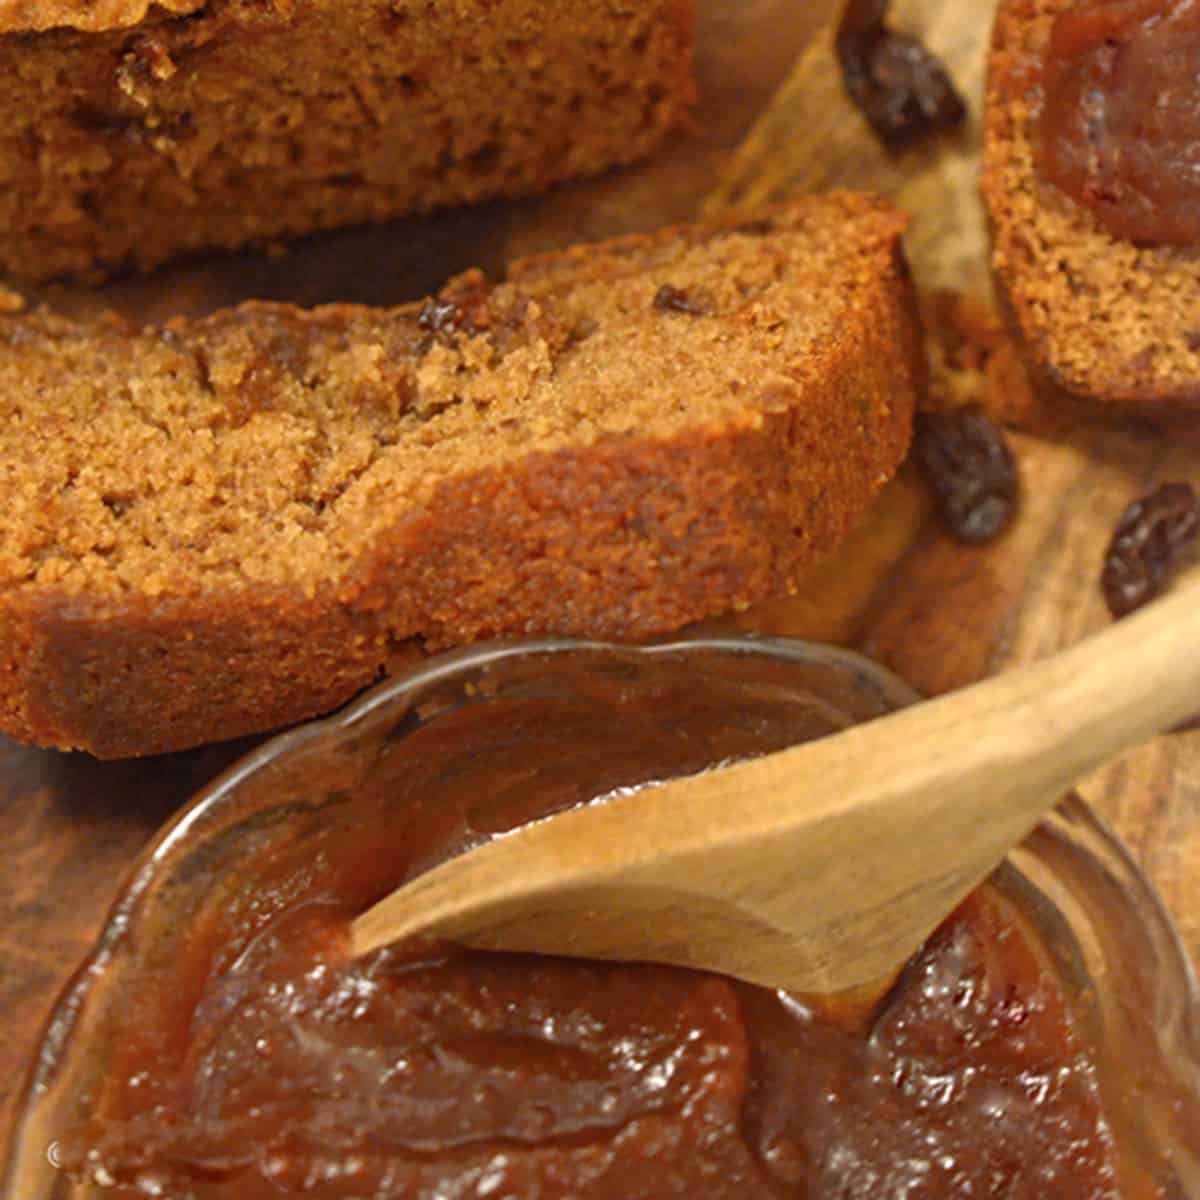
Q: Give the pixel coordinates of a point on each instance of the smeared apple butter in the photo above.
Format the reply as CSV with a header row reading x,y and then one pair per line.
x,y
257,1059
464,1074
1120,123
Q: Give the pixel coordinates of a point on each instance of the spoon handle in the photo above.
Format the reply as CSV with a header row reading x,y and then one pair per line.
x,y
822,867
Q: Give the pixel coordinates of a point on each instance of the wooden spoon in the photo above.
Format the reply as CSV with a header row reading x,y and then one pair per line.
x,y
820,868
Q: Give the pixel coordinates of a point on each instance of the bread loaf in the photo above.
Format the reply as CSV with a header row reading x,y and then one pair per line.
x,y
131,132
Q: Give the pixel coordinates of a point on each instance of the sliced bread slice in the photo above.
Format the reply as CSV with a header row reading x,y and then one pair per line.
x,y
1098,318
225,525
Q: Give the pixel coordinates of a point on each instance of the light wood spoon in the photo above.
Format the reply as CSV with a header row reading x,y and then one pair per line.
x,y
820,868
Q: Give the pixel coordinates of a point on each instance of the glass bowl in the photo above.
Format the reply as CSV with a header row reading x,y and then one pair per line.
x,y
583,719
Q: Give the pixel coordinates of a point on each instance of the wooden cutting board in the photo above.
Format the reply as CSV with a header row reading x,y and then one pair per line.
x,y
937,613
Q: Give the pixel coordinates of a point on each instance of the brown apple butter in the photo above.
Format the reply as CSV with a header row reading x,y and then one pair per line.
x,y
464,1074
1120,123
257,1059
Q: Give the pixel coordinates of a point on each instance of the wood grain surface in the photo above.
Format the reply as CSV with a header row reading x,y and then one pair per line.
x,y
938,613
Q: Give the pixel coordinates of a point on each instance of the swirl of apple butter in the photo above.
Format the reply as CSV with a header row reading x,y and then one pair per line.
x,y
1120,126
463,1074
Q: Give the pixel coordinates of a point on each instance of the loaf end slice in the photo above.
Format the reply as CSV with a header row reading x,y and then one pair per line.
x,y
131,133
227,525
1097,319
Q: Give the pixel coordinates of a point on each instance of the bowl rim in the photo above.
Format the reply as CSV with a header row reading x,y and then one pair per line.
x,y
450,663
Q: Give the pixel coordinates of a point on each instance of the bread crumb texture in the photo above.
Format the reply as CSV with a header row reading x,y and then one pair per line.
x,y
1098,318
225,525
134,132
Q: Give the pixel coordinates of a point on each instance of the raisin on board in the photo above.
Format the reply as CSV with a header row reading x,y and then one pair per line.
x,y
1149,540
902,90
965,458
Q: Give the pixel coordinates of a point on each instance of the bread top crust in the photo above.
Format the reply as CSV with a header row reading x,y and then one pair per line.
x,y
86,16
1099,318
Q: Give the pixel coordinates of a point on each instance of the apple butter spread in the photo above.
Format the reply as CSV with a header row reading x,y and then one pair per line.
x,y
1120,126
300,1071
252,1057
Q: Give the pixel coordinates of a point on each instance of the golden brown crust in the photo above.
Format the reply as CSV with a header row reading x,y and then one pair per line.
x,y
216,125
623,535
1097,319
90,16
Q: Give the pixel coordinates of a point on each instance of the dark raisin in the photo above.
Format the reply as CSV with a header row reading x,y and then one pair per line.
x,y
439,316
445,317
901,89
673,299
462,307
1149,541
861,15
965,457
